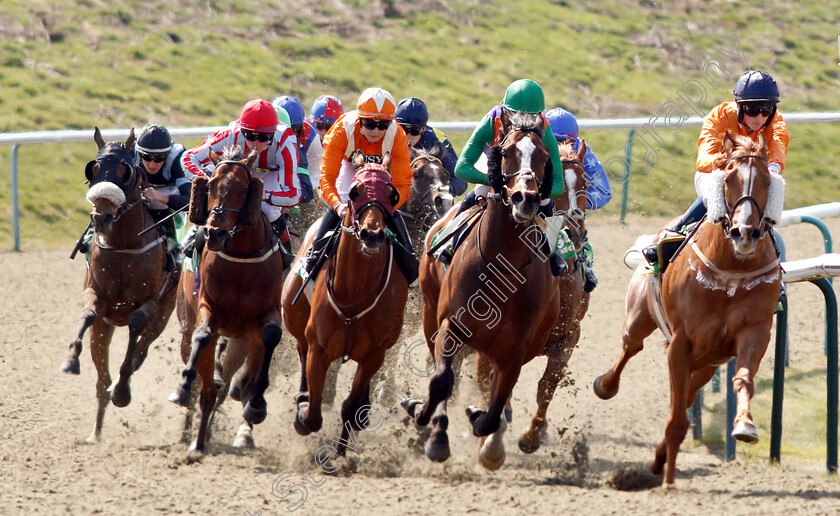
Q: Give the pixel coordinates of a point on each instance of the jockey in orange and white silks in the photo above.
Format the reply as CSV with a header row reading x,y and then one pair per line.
x,y
257,128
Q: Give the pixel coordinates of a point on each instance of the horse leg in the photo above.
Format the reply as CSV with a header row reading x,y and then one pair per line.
x,y
138,321
638,325
244,436
205,366
355,411
331,383
219,372
698,379
201,337
440,388
92,307
255,409
679,373
186,432
100,339
750,351
232,372
558,358
504,378
308,418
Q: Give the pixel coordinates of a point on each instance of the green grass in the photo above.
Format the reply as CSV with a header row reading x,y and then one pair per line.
x,y
126,63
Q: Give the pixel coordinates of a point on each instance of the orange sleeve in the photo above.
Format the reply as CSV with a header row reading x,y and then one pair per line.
x,y
710,142
401,174
335,143
777,140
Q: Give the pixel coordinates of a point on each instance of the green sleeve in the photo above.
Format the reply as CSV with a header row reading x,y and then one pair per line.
x,y
559,185
481,137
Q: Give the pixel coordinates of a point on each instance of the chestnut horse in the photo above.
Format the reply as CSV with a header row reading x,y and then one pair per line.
x,y
240,277
719,295
496,296
355,309
574,302
126,282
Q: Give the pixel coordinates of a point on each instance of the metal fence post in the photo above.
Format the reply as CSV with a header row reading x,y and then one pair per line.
x,y
15,211
628,150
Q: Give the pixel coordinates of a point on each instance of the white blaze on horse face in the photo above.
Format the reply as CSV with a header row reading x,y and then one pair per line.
x,y
571,182
746,173
526,150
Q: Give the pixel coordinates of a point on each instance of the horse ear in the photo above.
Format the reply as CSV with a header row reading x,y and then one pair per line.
x,y
728,142
437,150
253,202
386,161
392,193
198,200
214,157
582,150
494,169
357,191
89,170
548,180
358,158
506,124
762,144
129,142
97,137
251,158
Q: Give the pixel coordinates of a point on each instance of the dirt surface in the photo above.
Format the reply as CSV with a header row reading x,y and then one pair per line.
x,y
594,447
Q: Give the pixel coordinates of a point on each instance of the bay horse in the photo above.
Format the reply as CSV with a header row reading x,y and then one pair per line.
x,y
431,196
574,301
496,296
719,295
126,282
355,307
238,290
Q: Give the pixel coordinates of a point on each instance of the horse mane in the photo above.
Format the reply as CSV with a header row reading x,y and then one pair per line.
x,y
233,153
738,143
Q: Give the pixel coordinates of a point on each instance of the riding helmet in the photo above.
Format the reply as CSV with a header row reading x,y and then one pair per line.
x,y
326,109
563,123
282,115
756,86
154,139
412,111
258,115
376,103
292,106
524,95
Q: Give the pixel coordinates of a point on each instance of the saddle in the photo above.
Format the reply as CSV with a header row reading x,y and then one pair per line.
x,y
447,240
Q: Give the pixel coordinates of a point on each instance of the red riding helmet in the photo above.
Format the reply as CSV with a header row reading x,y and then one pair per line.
x,y
258,115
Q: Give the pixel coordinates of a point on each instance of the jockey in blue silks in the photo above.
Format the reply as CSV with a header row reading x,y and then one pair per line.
x,y
598,194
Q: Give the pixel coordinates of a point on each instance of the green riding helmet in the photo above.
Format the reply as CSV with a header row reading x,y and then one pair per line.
x,y
524,95
283,115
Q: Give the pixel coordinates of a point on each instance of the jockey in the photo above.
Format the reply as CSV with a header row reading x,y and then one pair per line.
x,y
169,189
369,128
565,128
258,128
309,144
413,116
324,112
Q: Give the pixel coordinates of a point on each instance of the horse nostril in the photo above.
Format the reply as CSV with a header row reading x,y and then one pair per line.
x,y
364,234
438,202
755,234
736,233
517,197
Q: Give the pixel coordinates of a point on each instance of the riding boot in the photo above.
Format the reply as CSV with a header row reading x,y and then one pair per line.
x,y
559,266
281,230
590,281
547,209
466,203
404,252
313,254
173,249
694,213
782,286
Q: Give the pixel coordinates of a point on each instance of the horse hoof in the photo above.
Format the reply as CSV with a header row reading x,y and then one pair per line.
x,y
70,366
491,463
745,432
528,448
437,448
300,428
255,411
600,392
195,454
244,441
412,407
508,415
180,397
120,395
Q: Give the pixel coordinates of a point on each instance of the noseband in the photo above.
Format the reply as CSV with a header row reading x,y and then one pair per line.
x,y
730,211
127,205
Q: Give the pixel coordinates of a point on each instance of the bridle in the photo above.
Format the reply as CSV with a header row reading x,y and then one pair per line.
x,y
726,223
219,210
527,173
430,215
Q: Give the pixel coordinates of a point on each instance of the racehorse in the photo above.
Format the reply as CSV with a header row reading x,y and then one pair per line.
x,y
430,195
574,302
238,291
355,309
126,282
719,295
486,298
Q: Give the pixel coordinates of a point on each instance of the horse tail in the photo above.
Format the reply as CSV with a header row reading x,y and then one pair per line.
x,y
198,200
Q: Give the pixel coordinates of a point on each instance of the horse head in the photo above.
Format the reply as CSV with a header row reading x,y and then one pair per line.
x,y
742,194
572,203
520,172
229,200
372,200
114,180
431,196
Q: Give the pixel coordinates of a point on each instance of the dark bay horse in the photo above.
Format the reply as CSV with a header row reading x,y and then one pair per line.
x,y
719,295
240,278
574,302
496,296
355,309
430,196
126,282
